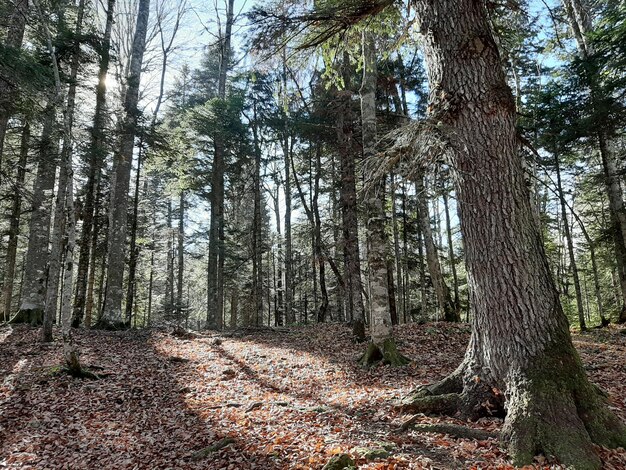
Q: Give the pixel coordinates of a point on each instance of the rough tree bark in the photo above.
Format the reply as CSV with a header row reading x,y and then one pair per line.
x,y
350,224
520,341
34,285
14,225
382,347
112,312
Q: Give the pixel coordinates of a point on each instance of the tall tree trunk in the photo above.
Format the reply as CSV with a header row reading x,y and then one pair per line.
x,y
350,224
279,267
96,155
451,257
290,316
169,265
112,314
181,257
319,254
396,251
382,346
405,258
520,340
14,38
570,246
93,252
60,231
215,309
35,273
150,287
133,250
257,226
234,304
447,312
14,225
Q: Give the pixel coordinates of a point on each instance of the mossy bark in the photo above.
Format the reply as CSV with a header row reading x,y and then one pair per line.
x,y
385,353
551,408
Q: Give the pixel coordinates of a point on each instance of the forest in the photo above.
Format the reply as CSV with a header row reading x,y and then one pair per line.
x,y
360,234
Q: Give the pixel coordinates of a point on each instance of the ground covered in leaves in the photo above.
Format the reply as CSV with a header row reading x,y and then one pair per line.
x,y
250,399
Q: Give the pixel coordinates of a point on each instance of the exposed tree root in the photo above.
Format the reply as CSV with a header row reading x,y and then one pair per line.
x,y
387,353
552,409
201,454
455,430
78,373
108,325
448,404
33,317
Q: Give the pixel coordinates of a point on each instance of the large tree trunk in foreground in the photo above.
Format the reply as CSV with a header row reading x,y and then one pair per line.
x,y
112,313
520,340
382,346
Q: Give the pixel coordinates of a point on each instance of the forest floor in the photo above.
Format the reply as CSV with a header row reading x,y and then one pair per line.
x,y
288,400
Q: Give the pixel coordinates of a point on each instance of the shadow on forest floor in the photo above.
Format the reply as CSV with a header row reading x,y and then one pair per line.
x,y
289,399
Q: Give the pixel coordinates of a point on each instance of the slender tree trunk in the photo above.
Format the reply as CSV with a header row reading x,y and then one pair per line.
x,y
570,247
14,225
169,280
405,258
150,287
92,259
382,346
520,340
257,226
234,304
319,255
396,251
451,257
181,256
279,275
447,312
350,225
97,154
112,314
290,317
134,250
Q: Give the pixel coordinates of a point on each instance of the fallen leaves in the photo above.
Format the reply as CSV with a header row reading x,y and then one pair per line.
x,y
280,400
